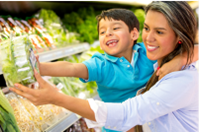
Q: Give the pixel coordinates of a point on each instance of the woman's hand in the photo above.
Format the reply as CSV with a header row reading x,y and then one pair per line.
x,y
39,64
45,94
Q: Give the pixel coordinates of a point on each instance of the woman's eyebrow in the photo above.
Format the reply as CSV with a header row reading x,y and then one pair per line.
x,y
157,28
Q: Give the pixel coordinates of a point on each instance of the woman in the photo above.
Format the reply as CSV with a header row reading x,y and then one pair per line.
x,y
167,105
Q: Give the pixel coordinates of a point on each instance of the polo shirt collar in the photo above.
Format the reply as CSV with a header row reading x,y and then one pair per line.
x,y
136,47
110,58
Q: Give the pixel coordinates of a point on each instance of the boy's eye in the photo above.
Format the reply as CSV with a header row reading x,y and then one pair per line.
x,y
102,32
116,28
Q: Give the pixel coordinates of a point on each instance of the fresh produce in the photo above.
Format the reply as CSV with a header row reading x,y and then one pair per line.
x,y
53,24
7,119
5,29
41,31
82,22
140,14
37,117
47,113
18,61
24,119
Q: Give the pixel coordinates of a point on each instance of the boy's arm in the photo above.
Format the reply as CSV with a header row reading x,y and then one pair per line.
x,y
176,63
64,69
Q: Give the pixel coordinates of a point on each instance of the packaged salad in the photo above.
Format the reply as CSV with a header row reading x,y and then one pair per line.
x,y
18,61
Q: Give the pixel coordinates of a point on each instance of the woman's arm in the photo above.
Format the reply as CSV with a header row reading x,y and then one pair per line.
x,y
49,94
176,91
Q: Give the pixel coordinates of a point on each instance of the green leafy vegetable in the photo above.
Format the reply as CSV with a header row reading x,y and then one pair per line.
x,y
7,118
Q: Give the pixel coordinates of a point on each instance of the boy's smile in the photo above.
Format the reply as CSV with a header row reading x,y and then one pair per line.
x,y
115,38
111,43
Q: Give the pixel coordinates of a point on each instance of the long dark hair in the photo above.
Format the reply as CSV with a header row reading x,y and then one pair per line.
x,y
181,19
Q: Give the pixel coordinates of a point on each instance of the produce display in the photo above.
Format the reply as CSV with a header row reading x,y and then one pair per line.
x,y
84,23
61,36
24,119
140,14
7,118
47,113
18,61
37,117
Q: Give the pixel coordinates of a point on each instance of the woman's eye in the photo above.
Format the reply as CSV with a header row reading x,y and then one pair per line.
x,y
146,29
159,32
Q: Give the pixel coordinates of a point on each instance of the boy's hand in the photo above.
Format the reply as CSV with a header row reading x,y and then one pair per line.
x,y
174,65
46,93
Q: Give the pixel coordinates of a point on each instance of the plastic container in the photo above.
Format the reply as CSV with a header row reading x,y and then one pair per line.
x,y
18,61
47,113
37,117
24,119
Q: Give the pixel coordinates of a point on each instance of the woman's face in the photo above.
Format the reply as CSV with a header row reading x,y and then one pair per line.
x,y
158,37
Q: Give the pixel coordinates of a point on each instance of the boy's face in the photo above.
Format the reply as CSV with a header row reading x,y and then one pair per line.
x,y
115,38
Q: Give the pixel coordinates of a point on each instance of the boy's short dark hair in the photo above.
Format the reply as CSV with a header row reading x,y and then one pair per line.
x,y
127,16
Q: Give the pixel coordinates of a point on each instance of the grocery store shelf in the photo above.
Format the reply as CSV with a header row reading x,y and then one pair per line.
x,y
63,123
126,2
62,52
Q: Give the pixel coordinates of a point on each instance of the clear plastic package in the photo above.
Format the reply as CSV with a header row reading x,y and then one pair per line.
x,y
18,61
37,117
47,112
59,111
24,119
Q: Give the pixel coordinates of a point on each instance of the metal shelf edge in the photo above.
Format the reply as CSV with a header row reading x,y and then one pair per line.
x,y
62,52
64,123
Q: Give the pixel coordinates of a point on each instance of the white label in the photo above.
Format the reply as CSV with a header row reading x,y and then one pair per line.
x,y
23,69
60,86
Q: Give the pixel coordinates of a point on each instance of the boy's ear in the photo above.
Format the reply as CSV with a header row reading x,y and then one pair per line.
x,y
134,34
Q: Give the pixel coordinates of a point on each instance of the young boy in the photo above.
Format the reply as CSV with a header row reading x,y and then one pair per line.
x,y
122,70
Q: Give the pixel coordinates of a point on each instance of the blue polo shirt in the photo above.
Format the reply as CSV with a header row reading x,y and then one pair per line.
x,y
117,79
